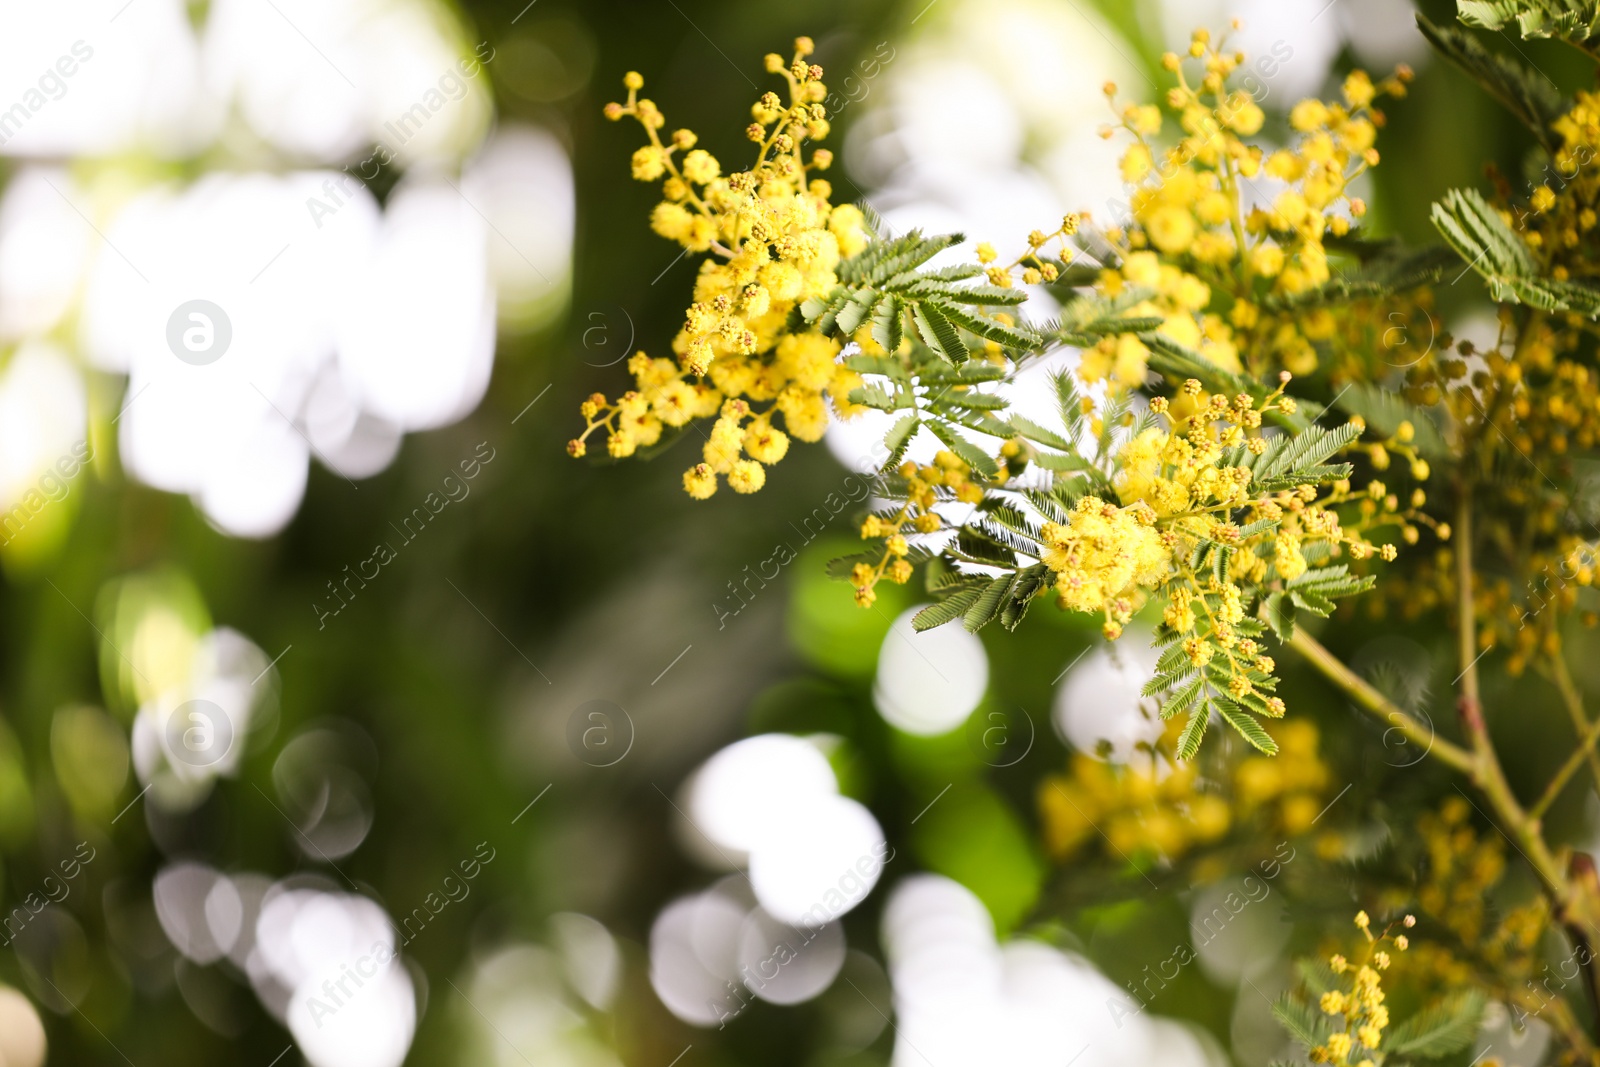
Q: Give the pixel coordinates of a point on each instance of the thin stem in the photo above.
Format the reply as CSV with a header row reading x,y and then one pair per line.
x,y
1487,774
1568,769
1574,902
1573,699
1230,188
1372,701
1471,702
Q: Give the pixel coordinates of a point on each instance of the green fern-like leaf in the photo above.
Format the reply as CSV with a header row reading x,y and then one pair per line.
x,y
987,607
1069,402
1279,611
940,334
875,396
1304,1023
1027,584
1183,699
1384,410
1246,725
1193,732
887,328
1574,21
881,260
1039,435
987,328
898,439
1524,92
1491,248
1442,1029
956,601
971,454
1004,296
1318,588
1287,455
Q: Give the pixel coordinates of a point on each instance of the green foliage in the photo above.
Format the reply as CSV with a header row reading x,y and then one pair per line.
x,y
1305,1023
885,286
1316,590
1199,690
1491,248
1385,409
1442,1029
1297,459
934,394
1524,92
1278,610
1574,21
970,453
977,601
1087,317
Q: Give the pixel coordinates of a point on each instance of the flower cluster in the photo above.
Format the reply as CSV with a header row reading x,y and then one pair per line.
x,y
1359,1011
775,238
1154,805
1484,942
1560,218
922,489
1191,484
1103,556
1035,265
1229,525
1221,278
1193,505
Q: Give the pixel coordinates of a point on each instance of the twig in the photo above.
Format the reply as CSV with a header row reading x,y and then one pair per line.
x,y
1575,902
1487,774
1371,700
1588,734
1562,677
